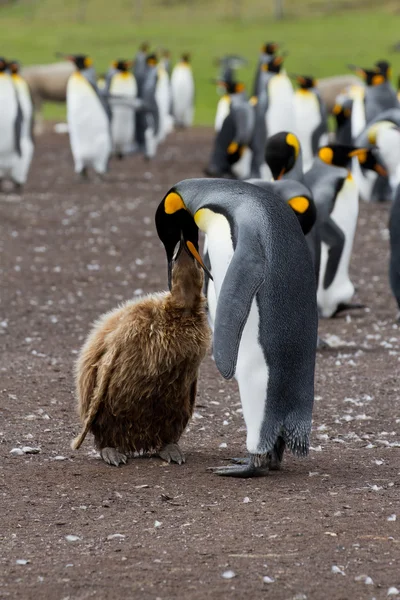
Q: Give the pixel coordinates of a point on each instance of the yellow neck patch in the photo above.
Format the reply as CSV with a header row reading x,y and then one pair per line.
x,y
203,218
172,203
326,154
299,204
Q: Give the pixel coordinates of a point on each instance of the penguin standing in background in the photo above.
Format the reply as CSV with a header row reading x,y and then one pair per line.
x,y
139,65
226,80
165,61
311,120
11,119
231,155
336,196
88,117
394,232
342,113
23,162
183,92
147,117
268,52
265,328
163,99
122,93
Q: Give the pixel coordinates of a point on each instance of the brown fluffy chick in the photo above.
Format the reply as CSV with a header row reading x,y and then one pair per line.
x,y
136,375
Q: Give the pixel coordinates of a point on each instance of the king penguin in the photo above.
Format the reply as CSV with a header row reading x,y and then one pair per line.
x,y
267,54
88,117
148,116
183,92
265,328
122,94
342,113
163,99
311,120
11,119
394,232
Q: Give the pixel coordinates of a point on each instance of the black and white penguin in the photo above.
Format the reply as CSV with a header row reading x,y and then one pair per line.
x,y
277,97
88,117
23,162
336,196
11,119
183,92
147,116
231,155
226,80
394,232
267,54
265,328
342,113
311,119
164,101
121,92
139,65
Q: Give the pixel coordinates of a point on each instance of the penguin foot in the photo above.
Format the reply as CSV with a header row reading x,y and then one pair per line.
x,y
18,187
112,457
273,459
347,306
254,466
322,344
119,156
83,175
172,453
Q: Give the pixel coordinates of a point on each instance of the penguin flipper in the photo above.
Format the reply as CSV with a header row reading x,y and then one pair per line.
x,y
242,281
333,236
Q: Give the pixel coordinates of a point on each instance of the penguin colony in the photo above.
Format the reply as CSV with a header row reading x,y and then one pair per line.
x,y
278,212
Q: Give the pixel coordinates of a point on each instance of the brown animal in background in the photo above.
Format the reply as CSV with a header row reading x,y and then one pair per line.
x,y
137,372
331,87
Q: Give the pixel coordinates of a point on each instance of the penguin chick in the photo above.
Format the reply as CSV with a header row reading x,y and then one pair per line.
x,y
136,376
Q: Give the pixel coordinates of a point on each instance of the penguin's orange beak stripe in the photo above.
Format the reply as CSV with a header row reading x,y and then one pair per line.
x,y
381,170
190,246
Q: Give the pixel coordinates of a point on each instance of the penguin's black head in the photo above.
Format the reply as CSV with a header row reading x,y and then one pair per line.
x,y
234,87
371,77
145,47
274,66
369,159
385,68
342,112
281,152
270,48
122,65
185,58
306,82
151,60
175,225
340,155
81,61
3,64
14,66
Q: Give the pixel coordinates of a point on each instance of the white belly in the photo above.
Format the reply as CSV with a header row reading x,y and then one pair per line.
x,y
182,92
358,120
223,108
307,119
163,99
8,115
280,113
345,215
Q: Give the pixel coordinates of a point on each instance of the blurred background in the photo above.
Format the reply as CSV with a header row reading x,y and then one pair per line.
x,y
320,36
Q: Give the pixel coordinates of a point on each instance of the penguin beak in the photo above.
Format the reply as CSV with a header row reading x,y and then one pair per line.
x,y
380,170
281,174
192,250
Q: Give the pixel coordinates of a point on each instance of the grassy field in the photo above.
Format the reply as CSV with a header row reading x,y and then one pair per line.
x,y
318,43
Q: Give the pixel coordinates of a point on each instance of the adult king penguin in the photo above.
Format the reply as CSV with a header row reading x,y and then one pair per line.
x,y
265,328
267,54
11,119
311,124
88,117
394,231
122,85
182,92
23,162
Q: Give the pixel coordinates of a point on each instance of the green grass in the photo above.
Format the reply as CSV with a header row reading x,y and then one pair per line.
x,y
317,44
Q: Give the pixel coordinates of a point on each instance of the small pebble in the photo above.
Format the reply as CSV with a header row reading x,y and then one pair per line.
x,y
393,591
267,579
21,561
72,538
246,500
336,569
392,518
157,523
228,574
115,536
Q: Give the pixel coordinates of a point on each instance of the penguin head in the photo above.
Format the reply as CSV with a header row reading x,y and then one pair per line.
x,y
185,58
369,159
3,64
372,77
274,66
14,67
306,82
270,48
175,225
385,68
281,152
122,65
151,60
81,61
301,201
342,111
234,87
144,47
340,155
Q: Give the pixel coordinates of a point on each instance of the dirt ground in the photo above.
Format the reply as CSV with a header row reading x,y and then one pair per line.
x,y
323,528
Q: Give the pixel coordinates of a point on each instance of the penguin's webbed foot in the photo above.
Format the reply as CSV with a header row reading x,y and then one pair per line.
x,y
172,453
254,466
112,457
347,306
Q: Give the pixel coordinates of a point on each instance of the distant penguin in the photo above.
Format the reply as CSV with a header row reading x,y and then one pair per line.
x,y
385,135
148,116
342,113
183,92
394,232
10,127
88,117
226,79
163,99
277,97
139,65
23,162
122,93
311,120
336,196
265,328
267,54
231,155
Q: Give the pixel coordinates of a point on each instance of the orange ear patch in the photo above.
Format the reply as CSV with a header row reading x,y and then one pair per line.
x,y
299,204
172,203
